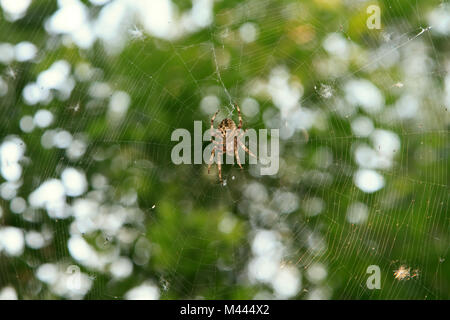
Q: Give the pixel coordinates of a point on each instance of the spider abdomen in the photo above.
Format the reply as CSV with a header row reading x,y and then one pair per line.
x,y
227,140
227,124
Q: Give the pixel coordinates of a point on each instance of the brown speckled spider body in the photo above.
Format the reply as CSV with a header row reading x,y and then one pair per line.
x,y
228,140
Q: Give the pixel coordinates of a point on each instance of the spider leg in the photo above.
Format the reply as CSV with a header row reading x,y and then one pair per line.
x,y
213,152
240,117
212,123
241,134
219,165
213,132
247,150
236,153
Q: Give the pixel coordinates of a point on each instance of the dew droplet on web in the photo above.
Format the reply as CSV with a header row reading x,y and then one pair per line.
x,y
325,91
11,73
386,36
164,284
75,108
136,33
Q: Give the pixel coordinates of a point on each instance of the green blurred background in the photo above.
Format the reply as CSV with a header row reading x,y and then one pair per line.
x,y
92,206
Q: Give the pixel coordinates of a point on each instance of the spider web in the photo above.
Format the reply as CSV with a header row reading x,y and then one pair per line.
x,y
363,178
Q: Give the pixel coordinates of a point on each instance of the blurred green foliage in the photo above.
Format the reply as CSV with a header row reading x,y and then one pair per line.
x,y
182,205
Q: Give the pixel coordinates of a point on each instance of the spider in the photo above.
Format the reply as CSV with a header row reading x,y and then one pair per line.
x,y
229,139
